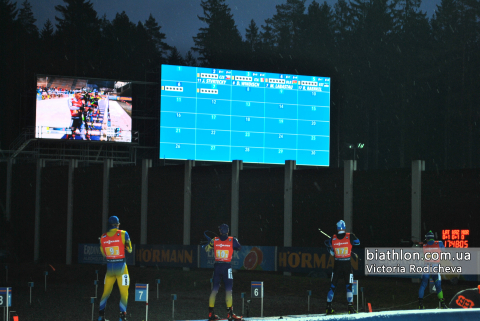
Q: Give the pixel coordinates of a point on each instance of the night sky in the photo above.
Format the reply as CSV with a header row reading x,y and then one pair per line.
x,y
178,18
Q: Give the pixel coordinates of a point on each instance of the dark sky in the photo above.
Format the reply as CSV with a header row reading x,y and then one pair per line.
x,y
178,18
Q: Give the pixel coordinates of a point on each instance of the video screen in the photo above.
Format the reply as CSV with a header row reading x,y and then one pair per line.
x,y
222,115
83,109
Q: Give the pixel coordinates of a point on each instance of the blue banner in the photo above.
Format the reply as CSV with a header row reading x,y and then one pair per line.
x,y
313,260
90,254
166,255
260,258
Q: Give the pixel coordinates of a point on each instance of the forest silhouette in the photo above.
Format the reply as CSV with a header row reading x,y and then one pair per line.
x,y
404,85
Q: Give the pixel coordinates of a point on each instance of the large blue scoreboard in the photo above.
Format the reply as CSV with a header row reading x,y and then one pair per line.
x,y
223,115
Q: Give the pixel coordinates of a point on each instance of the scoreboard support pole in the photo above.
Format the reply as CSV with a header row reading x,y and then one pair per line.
x,y
8,202
417,167
107,164
38,185
237,166
290,166
348,167
187,203
146,164
72,164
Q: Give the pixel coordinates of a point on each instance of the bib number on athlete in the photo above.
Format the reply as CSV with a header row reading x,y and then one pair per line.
x,y
112,250
341,250
221,254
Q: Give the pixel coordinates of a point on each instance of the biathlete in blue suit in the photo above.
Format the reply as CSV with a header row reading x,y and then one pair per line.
x,y
340,246
431,246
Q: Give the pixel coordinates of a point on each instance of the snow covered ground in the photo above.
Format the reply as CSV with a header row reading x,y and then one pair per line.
x,y
410,315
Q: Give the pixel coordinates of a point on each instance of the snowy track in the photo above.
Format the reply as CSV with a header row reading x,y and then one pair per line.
x,y
410,315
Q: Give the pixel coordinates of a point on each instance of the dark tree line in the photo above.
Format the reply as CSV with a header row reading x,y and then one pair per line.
x,y
403,84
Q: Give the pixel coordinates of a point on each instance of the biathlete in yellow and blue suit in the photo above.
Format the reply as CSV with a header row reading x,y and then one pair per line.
x,y
113,245
223,247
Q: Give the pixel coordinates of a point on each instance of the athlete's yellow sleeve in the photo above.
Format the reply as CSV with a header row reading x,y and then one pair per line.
x,y
128,244
101,248
209,247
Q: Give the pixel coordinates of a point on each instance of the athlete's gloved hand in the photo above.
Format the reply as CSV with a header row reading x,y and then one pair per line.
x,y
209,246
128,246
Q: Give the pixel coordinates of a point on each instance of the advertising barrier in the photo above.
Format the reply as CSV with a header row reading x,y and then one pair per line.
x,y
166,255
313,259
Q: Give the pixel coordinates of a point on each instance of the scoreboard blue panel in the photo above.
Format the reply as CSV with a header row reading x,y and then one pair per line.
x,y
223,115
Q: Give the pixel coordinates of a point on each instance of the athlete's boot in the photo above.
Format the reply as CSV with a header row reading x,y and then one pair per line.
x,y
211,314
329,308
101,315
351,309
420,304
123,316
443,305
231,316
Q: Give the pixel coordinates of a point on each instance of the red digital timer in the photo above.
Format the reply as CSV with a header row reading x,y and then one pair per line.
x,y
455,238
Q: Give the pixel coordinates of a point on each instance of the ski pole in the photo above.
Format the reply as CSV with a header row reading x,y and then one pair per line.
x,y
323,233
